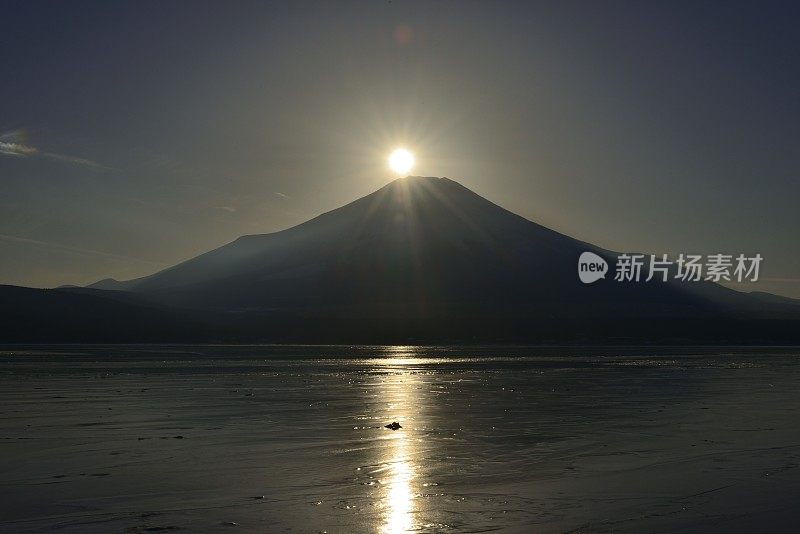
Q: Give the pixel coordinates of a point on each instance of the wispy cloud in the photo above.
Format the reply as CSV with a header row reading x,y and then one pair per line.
x,y
77,250
16,149
75,160
12,144
278,193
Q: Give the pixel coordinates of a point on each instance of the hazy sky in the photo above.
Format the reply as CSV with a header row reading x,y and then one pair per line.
x,y
135,135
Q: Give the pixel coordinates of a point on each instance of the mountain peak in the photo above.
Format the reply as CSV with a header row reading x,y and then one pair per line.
x,y
424,179
414,177
420,181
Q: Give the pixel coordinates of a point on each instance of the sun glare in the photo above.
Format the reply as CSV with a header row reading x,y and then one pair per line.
x,y
401,161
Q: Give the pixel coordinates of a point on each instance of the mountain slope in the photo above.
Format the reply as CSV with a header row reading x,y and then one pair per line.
x,y
417,243
426,258
395,230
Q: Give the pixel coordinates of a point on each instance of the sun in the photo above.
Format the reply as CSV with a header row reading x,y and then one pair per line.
x,y
401,161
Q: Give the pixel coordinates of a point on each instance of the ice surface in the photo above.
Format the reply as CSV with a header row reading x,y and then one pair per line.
x,y
512,439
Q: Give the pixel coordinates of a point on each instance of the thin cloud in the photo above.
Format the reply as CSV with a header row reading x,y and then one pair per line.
x,y
75,160
10,145
16,149
77,250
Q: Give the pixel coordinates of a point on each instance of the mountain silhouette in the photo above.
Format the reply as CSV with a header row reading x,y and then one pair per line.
x,y
417,240
426,259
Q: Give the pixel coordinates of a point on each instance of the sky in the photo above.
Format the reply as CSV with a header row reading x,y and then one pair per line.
x,y
134,135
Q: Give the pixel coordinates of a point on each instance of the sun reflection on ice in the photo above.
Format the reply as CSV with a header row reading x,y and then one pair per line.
x,y
399,500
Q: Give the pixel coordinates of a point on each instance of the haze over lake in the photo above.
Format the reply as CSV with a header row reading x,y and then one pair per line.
x,y
292,438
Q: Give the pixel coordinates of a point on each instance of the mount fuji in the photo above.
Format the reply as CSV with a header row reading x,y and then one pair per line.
x,y
425,259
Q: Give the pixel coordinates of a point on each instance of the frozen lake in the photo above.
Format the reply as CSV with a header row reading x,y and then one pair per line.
x,y
292,439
